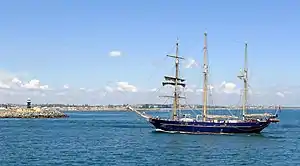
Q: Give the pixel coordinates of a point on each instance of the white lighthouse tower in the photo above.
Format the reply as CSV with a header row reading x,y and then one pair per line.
x,y
28,103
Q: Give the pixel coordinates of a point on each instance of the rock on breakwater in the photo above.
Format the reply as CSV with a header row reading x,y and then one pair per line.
x,y
31,113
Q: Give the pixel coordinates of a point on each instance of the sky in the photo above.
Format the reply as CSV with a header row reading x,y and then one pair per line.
x,y
110,52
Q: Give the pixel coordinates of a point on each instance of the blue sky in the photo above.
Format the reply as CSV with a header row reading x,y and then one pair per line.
x,y
69,42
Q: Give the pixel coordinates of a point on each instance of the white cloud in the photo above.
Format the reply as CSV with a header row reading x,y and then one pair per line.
x,y
44,87
280,94
210,89
121,87
115,53
16,81
228,87
34,84
13,82
287,92
89,90
109,89
4,86
190,63
121,93
124,86
189,90
15,89
153,89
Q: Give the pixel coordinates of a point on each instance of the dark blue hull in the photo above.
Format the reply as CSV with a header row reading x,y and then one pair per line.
x,y
208,127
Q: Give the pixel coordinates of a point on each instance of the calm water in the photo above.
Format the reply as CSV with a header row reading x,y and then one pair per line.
x,y
122,138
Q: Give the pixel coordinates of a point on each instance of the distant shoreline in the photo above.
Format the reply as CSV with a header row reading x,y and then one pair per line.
x,y
107,109
123,108
158,109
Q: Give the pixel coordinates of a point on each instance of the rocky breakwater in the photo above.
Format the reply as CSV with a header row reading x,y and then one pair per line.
x,y
31,113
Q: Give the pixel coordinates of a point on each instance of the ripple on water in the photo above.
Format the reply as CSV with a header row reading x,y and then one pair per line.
x,y
121,138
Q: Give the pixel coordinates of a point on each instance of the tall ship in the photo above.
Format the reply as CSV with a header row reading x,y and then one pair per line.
x,y
206,122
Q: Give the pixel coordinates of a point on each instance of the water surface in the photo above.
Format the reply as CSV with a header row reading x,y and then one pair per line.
x,y
123,138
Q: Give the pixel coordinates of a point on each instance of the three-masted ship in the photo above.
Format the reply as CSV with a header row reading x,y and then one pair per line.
x,y
208,123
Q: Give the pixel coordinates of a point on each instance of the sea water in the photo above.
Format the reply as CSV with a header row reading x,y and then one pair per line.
x,y
123,138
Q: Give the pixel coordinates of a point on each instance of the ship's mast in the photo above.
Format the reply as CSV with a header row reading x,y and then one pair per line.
x,y
244,77
245,81
175,81
176,102
205,74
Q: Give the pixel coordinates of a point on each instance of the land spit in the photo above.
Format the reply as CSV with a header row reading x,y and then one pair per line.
x,y
31,113
93,109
